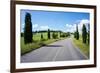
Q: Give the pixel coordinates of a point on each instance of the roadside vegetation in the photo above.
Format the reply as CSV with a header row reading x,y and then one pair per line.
x,y
83,47
82,40
40,39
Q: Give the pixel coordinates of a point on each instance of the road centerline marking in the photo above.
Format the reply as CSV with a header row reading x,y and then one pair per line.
x,y
56,55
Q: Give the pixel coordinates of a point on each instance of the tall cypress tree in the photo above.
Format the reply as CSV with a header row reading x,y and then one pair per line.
x,y
48,33
88,33
77,33
84,33
41,36
28,29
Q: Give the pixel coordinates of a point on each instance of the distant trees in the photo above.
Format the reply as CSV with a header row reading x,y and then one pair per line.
x,y
28,29
48,33
63,35
76,33
54,35
68,34
84,33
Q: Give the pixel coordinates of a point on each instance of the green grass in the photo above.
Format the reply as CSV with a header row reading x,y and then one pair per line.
x,y
28,47
37,42
83,47
37,36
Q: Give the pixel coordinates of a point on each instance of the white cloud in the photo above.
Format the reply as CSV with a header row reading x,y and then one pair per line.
x,y
68,25
44,27
35,26
72,27
80,24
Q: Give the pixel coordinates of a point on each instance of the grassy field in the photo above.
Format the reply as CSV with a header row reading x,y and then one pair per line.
x,y
83,47
37,36
37,42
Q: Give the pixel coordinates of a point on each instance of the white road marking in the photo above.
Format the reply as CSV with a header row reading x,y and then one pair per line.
x,y
56,55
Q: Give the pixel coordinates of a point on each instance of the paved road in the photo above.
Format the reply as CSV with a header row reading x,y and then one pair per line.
x,y
63,50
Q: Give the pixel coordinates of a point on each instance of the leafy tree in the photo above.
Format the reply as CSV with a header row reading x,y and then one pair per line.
x,y
28,29
84,33
48,33
54,35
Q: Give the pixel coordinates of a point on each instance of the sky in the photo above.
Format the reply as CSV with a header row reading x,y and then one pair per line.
x,y
63,21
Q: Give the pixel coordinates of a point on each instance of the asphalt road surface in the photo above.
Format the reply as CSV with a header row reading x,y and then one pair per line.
x,y
62,50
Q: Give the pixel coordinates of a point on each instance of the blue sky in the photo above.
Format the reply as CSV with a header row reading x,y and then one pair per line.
x,y
64,21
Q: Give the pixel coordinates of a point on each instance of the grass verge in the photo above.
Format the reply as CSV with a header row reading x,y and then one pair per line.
x,y
83,47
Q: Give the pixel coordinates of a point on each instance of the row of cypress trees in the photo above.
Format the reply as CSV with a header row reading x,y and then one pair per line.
x,y
85,34
28,31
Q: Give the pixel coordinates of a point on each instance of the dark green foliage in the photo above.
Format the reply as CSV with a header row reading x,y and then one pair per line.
x,y
74,34
54,35
41,36
22,34
63,35
84,33
88,37
60,33
77,33
88,34
48,33
67,34
28,29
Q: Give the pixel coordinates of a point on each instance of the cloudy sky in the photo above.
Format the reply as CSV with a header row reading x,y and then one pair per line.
x,y
64,21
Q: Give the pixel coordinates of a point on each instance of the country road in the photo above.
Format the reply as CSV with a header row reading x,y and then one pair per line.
x,y
62,50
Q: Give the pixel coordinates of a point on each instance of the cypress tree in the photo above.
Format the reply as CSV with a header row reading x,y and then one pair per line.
x,y
77,33
88,33
84,33
41,36
48,33
28,29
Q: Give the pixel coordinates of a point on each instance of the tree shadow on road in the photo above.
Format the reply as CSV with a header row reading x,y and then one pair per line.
x,y
53,46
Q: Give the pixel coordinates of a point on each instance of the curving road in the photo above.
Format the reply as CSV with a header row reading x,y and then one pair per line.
x,y
62,50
